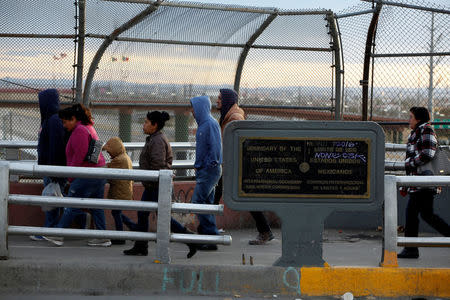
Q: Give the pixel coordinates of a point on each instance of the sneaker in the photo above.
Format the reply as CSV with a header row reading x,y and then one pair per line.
x,y
262,238
99,242
37,238
409,253
55,240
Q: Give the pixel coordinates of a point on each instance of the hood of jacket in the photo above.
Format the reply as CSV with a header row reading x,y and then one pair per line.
x,y
48,103
114,146
202,108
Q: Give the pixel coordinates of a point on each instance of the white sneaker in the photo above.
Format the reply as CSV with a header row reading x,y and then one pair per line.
x,y
37,238
99,242
55,240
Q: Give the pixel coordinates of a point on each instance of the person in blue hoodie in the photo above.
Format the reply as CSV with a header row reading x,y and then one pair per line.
x,y
51,147
208,161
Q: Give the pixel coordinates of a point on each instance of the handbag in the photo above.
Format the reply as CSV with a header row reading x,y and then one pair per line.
x,y
52,189
94,149
439,165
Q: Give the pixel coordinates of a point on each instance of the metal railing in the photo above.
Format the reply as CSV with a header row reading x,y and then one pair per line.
x,y
181,146
164,207
391,240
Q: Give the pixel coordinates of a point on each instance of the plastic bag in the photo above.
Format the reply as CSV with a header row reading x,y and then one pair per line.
x,y
51,189
439,165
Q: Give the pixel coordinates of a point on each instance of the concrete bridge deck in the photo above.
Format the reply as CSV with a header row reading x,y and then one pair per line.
x,y
37,268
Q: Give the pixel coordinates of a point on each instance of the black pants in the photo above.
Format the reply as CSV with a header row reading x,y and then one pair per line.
x,y
218,191
421,202
260,220
261,223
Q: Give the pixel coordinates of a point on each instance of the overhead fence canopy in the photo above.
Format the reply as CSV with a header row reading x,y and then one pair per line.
x,y
181,50
126,57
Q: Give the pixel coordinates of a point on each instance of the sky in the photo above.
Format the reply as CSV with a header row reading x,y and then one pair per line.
x,y
40,61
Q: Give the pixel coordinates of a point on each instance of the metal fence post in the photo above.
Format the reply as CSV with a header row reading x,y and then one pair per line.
x,y
4,192
389,255
164,215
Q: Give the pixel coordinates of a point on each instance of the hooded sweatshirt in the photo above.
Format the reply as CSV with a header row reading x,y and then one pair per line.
x,y
119,189
52,135
208,151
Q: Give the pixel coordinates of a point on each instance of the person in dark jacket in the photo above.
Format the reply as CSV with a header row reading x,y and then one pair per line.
x,y
420,149
51,146
156,155
227,103
208,164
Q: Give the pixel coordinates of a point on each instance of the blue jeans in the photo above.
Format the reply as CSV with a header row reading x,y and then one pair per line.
x,y
206,180
152,196
85,188
120,219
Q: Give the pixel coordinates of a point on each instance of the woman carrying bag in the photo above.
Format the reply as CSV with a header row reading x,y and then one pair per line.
x,y
77,119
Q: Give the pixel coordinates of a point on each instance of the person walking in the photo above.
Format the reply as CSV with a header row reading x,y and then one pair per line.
x,y
227,103
208,161
119,189
156,155
420,149
51,147
77,119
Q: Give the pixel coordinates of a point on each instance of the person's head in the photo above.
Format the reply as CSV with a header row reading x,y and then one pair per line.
x,y
48,103
114,146
155,121
226,99
418,116
201,108
73,114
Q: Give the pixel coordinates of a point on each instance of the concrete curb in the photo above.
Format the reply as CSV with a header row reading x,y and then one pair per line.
x,y
93,279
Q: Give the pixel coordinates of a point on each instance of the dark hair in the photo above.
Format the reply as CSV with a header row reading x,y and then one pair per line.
x,y
79,111
421,114
158,117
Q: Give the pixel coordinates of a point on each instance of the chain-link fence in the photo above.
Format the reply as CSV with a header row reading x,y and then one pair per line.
x,y
183,50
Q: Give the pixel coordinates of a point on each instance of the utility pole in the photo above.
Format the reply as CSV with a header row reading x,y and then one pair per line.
x,y
431,67
431,71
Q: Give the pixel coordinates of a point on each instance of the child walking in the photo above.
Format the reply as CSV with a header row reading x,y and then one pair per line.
x,y
119,189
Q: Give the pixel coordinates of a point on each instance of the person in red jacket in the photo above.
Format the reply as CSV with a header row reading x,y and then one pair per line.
x,y
77,119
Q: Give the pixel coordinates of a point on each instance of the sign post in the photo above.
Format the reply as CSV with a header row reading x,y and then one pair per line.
x,y
303,171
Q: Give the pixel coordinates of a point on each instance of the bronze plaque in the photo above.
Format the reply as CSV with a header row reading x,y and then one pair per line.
x,y
304,167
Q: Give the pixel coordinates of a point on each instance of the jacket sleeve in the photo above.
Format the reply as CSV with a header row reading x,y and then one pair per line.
x,y
201,149
56,142
428,144
80,138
